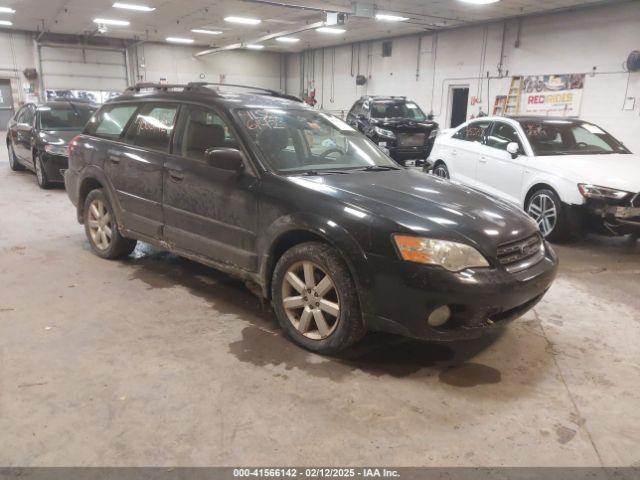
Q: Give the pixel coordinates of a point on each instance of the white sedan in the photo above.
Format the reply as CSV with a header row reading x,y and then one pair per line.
x,y
568,174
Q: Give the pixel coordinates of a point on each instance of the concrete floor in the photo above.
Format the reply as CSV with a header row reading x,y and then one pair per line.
x,y
159,361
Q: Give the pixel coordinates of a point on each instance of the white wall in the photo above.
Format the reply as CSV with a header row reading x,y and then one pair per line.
x,y
570,42
178,65
17,52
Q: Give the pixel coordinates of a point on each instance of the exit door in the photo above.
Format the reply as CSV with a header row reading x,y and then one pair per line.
x,y
459,101
6,103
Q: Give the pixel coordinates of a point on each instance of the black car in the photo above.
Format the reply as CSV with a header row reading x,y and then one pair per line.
x,y
38,137
310,212
397,125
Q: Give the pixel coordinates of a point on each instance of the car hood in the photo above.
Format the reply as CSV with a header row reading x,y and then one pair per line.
x,y
426,205
393,123
58,137
617,171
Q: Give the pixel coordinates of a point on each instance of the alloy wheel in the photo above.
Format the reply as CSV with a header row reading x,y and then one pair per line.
x,y
39,172
543,210
100,225
441,171
310,300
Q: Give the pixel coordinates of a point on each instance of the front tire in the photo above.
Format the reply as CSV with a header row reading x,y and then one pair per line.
x,y
13,161
315,299
545,207
101,228
440,170
41,174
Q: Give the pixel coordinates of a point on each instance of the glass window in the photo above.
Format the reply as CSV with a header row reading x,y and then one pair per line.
x,y
152,127
502,135
67,117
476,131
397,109
26,116
296,140
110,121
200,130
461,134
567,137
357,109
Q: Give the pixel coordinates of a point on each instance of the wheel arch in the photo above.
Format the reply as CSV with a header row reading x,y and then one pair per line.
x,y
538,186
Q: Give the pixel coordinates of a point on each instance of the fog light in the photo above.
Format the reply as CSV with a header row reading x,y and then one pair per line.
x,y
439,316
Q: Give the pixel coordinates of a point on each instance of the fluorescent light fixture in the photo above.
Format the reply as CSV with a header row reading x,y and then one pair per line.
x,y
133,6
243,20
206,32
109,21
390,18
7,10
253,46
6,22
287,39
333,30
179,40
480,2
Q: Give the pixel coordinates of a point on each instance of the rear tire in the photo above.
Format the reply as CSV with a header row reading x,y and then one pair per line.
x,y
440,170
546,208
315,299
41,174
101,228
13,161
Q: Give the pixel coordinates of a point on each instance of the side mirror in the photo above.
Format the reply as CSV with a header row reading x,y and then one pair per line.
x,y
228,159
514,149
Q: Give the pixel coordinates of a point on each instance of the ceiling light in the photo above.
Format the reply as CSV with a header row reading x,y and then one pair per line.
x,y
252,46
335,31
390,18
132,6
179,40
480,2
6,22
108,21
7,10
243,20
206,32
288,39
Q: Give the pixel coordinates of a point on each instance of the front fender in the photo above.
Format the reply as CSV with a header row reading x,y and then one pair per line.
x,y
332,233
566,189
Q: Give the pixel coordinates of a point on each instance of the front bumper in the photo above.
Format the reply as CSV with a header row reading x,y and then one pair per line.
x,y
404,294
609,218
52,165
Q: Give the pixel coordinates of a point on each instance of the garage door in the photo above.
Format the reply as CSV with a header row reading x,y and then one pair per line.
x,y
65,68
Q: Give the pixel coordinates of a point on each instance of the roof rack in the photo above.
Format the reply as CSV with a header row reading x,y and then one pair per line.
x,y
258,90
201,87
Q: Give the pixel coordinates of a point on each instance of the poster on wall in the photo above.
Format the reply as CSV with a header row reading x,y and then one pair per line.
x,y
557,95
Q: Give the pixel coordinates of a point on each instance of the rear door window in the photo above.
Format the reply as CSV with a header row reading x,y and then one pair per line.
x,y
110,121
153,126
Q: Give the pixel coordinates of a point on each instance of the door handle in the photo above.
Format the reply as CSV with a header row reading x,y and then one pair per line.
x,y
114,159
176,176
483,159
454,153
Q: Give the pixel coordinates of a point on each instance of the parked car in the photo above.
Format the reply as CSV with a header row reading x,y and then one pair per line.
x,y
296,202
568,174
397,125
38,136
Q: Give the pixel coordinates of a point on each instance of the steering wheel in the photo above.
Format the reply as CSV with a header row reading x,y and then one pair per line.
x,y
330,151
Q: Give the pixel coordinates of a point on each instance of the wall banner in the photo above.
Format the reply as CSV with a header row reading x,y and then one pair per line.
x,y
557,95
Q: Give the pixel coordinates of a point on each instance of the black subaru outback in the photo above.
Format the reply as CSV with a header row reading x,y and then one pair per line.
x,y
331,230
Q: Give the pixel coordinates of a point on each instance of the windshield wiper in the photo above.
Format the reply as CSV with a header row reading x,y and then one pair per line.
x,y
378,168
313,173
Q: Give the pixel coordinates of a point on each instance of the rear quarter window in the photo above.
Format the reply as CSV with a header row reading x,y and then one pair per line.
x,y
110,121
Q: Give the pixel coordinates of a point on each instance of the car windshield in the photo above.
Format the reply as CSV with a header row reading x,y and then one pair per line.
x,y
565,137
397,109
67,117
297,141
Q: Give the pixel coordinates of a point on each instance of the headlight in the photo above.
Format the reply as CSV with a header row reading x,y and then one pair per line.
x,y
57,150
384,133
434,133
450,255
593,191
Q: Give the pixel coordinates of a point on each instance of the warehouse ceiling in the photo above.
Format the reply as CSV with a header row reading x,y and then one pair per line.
x,y
177,18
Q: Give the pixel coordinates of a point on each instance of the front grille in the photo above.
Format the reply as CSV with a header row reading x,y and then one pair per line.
x,y
411,139
516,256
